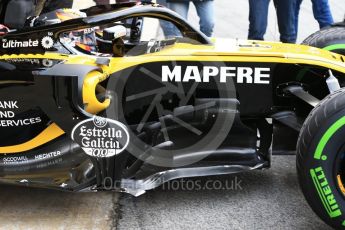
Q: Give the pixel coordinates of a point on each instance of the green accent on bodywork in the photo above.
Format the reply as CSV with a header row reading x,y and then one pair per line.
x,y
343,223
325,138
334,47
301,73
325,194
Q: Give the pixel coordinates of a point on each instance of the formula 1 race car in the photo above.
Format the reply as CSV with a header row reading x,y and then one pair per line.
x,y
128,97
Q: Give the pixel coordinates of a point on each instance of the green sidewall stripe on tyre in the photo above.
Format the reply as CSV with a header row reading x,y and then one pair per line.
x,y
325,138
332,210
334,47
325,193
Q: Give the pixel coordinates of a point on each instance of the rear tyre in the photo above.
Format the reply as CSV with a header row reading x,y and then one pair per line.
x,y
321,159
331,38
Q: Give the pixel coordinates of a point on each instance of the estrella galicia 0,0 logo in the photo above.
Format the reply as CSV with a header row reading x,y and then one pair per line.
x,y
101,137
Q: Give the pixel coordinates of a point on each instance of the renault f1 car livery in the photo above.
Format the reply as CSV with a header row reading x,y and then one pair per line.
x,y
129,97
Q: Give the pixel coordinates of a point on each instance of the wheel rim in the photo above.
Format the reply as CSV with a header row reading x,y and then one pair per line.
x,y
339,171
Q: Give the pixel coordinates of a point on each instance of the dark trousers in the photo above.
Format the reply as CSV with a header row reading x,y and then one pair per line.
x,y
321,10
258,14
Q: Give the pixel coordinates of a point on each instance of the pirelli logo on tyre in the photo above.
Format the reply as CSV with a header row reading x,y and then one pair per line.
x,y
325,192
101,137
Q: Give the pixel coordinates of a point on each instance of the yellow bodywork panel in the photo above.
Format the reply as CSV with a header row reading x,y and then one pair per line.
x,y
92,104
50,133
227,50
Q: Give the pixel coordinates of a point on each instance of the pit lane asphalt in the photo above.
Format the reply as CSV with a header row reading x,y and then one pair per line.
x,y
34,209
265,199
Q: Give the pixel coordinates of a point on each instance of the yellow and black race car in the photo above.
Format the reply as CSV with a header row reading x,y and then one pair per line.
x,y
128,97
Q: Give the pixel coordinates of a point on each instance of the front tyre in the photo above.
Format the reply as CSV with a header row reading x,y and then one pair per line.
x,y
330,38
321,159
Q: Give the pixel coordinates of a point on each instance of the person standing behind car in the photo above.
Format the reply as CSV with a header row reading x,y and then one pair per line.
x,y
321,10
258,14
204,8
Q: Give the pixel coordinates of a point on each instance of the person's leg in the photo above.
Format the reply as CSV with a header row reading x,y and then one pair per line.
x,y
322,13
180,7
258,13
286,20
297,9
205,12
